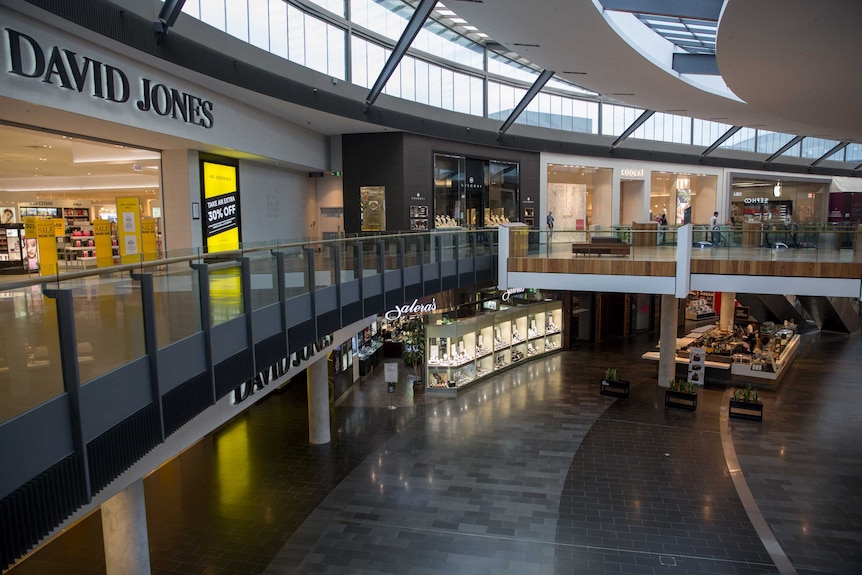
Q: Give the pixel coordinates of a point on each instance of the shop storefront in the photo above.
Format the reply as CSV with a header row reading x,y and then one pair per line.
x,y
683,198
579,197
773,200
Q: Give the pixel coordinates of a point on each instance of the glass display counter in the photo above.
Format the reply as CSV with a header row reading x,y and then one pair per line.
x,y
459,353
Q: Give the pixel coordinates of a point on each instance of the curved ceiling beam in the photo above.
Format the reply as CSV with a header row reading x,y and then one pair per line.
x,y
699,9
796,59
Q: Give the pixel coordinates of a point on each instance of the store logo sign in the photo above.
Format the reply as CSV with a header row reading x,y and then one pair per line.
x,y
632,173
415,307
507,295
67,70
755,201
273,372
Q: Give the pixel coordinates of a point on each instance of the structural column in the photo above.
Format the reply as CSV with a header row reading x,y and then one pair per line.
x,y
318,402
124,530
726,317
667,339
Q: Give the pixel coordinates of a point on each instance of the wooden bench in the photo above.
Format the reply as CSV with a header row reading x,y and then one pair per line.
x,y
602,245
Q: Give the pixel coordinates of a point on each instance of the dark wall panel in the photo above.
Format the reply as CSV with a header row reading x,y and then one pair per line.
x,y
301,335
232,372
229,338
35,440
374,160
185,401
111,398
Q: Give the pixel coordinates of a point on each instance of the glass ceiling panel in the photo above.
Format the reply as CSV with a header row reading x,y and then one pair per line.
x,y
853,153
770,142
692,35
816,147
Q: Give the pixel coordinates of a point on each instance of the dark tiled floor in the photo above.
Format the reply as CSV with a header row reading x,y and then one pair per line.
x,y
533,472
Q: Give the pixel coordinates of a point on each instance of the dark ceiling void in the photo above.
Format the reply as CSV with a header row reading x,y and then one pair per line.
x,y
704,64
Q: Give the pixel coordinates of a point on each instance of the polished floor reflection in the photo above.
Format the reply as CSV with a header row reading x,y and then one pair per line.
x,y
531,472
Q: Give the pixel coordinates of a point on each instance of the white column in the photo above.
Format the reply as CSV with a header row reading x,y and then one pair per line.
x,y
667,343
318,402
124,530
726,317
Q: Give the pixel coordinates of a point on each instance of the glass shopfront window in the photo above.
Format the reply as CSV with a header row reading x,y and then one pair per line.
x,y
778,201
684,198
471,192
580,197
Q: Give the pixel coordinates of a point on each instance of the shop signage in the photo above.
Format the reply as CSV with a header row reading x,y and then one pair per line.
x,y
415,307
278,369
755,201
68,70
632,173
508,293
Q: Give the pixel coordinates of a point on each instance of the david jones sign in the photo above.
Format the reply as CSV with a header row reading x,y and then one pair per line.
x,y
70,71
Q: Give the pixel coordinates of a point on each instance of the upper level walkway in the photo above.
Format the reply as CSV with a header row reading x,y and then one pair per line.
x,y
826,263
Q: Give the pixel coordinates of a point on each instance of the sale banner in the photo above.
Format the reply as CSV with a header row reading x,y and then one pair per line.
x,y
221,207
129,229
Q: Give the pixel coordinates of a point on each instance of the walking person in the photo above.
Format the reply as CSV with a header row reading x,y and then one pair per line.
x,y
713,226
550,221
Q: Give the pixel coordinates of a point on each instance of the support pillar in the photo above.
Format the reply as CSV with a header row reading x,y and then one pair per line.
x,y
124,530
318,403
667,339
726,314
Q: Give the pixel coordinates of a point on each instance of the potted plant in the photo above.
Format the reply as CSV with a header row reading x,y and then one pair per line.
x,y
746,404
414,350
613,385
680,393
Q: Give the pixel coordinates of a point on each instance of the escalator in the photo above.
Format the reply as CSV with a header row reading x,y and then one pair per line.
x,y
840,314
775,308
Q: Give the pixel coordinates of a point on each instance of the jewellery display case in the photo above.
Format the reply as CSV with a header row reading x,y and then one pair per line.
x,y
461,352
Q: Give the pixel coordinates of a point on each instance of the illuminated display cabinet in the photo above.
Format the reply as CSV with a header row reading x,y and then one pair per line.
x,y
461,352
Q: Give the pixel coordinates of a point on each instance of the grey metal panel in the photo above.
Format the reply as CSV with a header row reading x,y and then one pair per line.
x,y
111,398
325,300
181,361
349,292
431,271
412,275
448,268
392,280
465,265
34,441
298,309
266,322
371,286
229,338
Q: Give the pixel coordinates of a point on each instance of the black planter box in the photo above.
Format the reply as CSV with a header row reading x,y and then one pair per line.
x,y
615,388
680,399
745,410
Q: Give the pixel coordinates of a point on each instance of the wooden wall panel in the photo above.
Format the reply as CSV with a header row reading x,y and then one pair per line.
x,y
607,266
842,270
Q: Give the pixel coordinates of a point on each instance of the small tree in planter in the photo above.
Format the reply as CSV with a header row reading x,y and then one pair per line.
x,y
680,393
746,404
414,350
613,385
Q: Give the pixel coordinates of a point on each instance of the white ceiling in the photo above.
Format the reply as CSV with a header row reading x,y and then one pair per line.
x,y
794,61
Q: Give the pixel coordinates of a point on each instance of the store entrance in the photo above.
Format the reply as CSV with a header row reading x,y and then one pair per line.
x,y
75,182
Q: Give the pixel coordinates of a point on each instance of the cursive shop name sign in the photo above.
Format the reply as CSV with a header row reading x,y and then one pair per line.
x,y
414,307
507,295
70,71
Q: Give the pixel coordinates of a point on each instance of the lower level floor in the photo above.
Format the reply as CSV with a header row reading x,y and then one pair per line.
x,y
531,471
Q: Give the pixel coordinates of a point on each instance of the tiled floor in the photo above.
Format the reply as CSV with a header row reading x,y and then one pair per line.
x,y
531,472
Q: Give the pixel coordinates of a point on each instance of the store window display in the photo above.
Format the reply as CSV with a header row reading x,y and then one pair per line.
x,y
471,192
580,198
683,198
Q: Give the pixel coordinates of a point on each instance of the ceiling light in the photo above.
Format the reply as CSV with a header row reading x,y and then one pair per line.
x,y
445,12
481,35
459,21
470,28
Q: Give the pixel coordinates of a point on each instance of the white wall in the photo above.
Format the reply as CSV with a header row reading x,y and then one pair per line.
x,y
276,203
